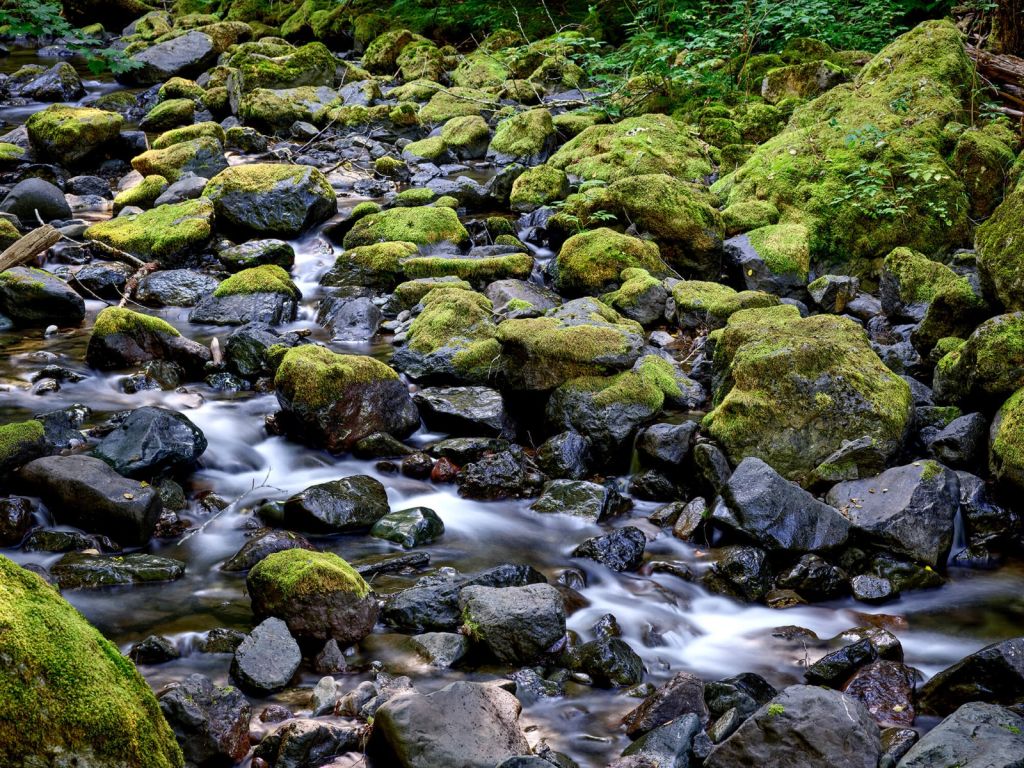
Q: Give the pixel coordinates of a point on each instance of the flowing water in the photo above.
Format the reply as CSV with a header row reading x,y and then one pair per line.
x,y
673,624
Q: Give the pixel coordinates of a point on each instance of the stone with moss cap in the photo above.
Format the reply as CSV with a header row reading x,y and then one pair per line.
x,y
122,338
381,55
1000,245
142,195
166,234
68,135
276,109
261,199
538,186
705,304
801,81
432,149
591,262
421,225
263,294
635,146
20,443
67,690
640,297
10,153
317,594
983,162
447,103
333,401
790,390
774,258
527,138
310,64
33,297
373,266
189,132
467,136
480,70
990,363
1006,441
169,114
479,270
203,156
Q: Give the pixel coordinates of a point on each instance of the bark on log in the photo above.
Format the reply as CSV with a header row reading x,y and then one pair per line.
x,y
29,246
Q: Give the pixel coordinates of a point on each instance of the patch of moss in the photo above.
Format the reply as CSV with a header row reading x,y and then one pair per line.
x,y
538,186
69,134
591,262
315,377
748,215
416,196
421,225
1006,458
712,304
451,317
784,248
180,88
455,102
114,320
475,270
982,161
480,70
388,166
524,136
989,363
268,278
142,194
168,114
466,131
189,132
18,439
296,573
999,242
310,64
203,156
10,153
162,234
370,265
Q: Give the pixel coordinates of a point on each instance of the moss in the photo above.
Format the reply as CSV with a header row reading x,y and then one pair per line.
x,y
268,278
982,161
9,234
168,114
451,317
475,270
916,277
426,149
466,131
1006,457
590,262
538,186
311,64
389,166
712,304
421,60
142,194
203,156
370,265
69,134
188,133
759,122
416,196
278,109
990,362
162,234
297,573
19,439
381,55
409,293
647,144
801,81
784,249
67,690
10,153
455,102
315,377
114,320
748,215
365,208
217,100
423,226
525,135
447,201
635,284
999,242
480,70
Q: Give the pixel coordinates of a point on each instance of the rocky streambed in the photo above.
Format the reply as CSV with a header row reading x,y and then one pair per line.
x,y
435,399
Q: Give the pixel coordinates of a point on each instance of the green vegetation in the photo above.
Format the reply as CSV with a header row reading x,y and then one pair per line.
x,y
316,377
296,573
268,278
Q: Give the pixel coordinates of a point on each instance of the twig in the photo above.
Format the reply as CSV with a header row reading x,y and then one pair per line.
x,y
29,246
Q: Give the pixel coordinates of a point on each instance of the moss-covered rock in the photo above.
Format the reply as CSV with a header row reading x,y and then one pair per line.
x,y
432,149
982,161
68,135
1006,441
480,70
169,114
775,258
166,234
381,55
188,133
591,262
526,137
374,266
20,443
333,401
142,195
702,304
640,297
467,137
268,278
180,88
801,81
277,109
421,60
203,157
122,338
10,153
311,64
9,234
748,215
638,145
67,690
1000,245
478,270
455,102
790,391
538,186
269,199
422,226
989,364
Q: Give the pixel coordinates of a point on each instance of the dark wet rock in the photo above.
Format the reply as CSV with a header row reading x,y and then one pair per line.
x,y
433,604
17,515
188,187
620,550
896,742
352,503
887,645
803,727
682,695
381,445
154,649
78,570
669,745
467,724
184,56
246,348
307,743
712,466
977,735
541,299
777,514
32,297
690,520
105,279
255,253
85,492
349,318
508,474
175,287
580,498
962,442
33,196
418,464
151,441
745,693
211,724
409,527
221,640
869,588
887,689
440,649
832,293
44,540
465,450
742,572
835,668
331,659
608,661
58,83
531,687
989,523
262,544
666,444
565,456
122,338
907,510
515,624
268,307
994,675
266,659
814,578
464,410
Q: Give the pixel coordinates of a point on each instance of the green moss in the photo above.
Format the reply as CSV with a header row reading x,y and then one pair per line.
x,y
180,88
480,70
455,102
316,377
422,225
278,109
366,208
590,262
10,153
1007,454
114,320
268,278
370,265
142,194
415,196
67,690
466,131
69,134
999,242
748,215
168,114
982,161
635,283
388,166
297,573
9,234
538,186
162,234
189,132
18,438
784,248
524,135
451,317
203,156
801,81
447,201
426,149
311,64
409,293
381,55
990,362
917,277
704,303
475,270
421,60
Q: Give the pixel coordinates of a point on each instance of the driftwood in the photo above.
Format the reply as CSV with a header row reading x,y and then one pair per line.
x,y
1005,73
28,247
133,282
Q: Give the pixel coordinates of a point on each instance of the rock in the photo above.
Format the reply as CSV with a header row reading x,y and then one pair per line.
x,y
803,727
305,743
669,745
887,689
331,659
16,519
87,493
1005,437
872,589
464,410
261,199
527,138
908,510
701,304
105,279
896,742
961,443
581,499
775,258
79,570
744,693
352,503
247,348
620,550
21,442
592,261
71,686
833,292
990,363
666,445
257,253
741,572
202,157
151,441
977,735
185,188
814,579
350,318
464,723
154,649
335,400
32,297
641,297
175,287
69,135
608,661
324,697
184,56
421,225
682,695
777,514
167,235
266,659
257,295
440,649
58,83
32,197
994,675
122,338
801,81
565,456
507,474
211,723
835,668
515,624
409,527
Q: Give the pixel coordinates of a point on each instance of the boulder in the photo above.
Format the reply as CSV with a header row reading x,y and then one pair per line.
x,y
304,742
167,234
464,411
211,723
151,441
184,56
68,135
515,624
409,527
33,199
620,550
591,262
175,287
581,498
264,542
421,225
608,661
350,504
682,695
977,735
267,658
122,338
32,297
994,675
256,295
202,156
82,570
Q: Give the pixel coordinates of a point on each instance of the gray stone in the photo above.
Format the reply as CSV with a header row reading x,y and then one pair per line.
x,y
515,624
211,724
440,649
175,287
32,297
352,503
184,56
267,658
581,498
464,411
977,735
33,195
151,441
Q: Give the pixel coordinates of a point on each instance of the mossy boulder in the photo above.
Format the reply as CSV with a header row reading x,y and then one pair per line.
x,y
775,258
277,109
33,297
317,594
10,153
189,132
635,146
180,88
310,64
989,364
68,135
701,304
263,294
792,390
455,102
66,690
640,297
508,263
421,60
467,137
432,149
801,81
203,157
1000,245
381,55
480,70
748,215
373,266
526,138
166,234
20,443
537,187
591,262
142,195
1006,442
420,225
333,401
122,338
910,281
982,161
261,199
169,114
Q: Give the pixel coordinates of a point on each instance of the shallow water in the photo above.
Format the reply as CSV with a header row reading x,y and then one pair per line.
x,y
674,625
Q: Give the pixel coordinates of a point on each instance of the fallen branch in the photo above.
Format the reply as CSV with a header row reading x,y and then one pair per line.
x,y
29,246
133,282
